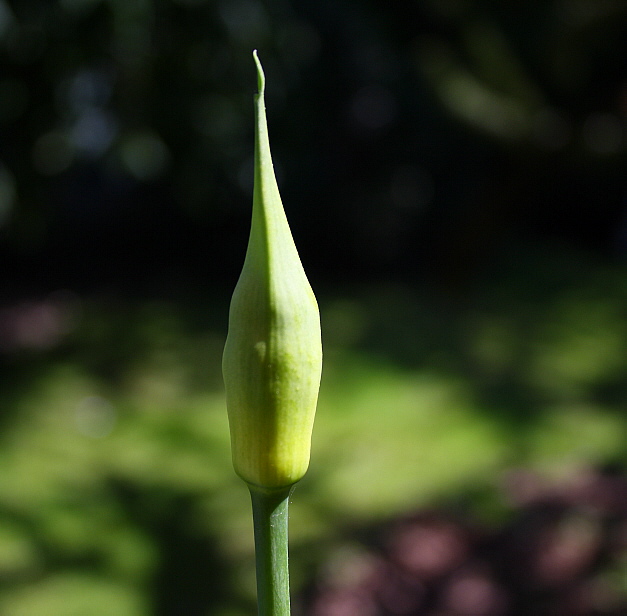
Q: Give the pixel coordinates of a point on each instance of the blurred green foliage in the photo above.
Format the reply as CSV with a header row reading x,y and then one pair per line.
x,y
454,175
117,489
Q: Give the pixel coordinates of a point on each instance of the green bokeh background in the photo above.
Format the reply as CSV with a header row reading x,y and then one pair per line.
x,y
454,173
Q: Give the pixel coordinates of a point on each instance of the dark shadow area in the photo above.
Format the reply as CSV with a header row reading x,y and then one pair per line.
x,y
189,576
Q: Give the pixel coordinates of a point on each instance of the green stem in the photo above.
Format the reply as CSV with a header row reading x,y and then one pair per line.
x,y
271,550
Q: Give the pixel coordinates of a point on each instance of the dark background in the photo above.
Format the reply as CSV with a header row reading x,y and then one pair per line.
x,y
454,175
413,140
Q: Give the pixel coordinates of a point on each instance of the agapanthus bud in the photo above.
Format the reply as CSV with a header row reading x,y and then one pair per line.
x,y
273,355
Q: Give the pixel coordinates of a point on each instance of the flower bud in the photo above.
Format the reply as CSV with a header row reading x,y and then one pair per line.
x,y
273,355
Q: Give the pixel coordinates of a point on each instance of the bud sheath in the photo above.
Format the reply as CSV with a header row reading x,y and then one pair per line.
x,y
273,355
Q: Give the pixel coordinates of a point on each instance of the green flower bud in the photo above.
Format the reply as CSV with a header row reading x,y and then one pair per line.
x,y
273,355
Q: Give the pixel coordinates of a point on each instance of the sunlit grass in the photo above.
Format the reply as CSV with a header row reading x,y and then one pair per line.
x,y
119,436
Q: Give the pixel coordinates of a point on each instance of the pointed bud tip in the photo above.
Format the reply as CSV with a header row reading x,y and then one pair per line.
x,y
261,79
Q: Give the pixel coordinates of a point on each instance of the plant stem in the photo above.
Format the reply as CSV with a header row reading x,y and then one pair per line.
x,y
271,549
